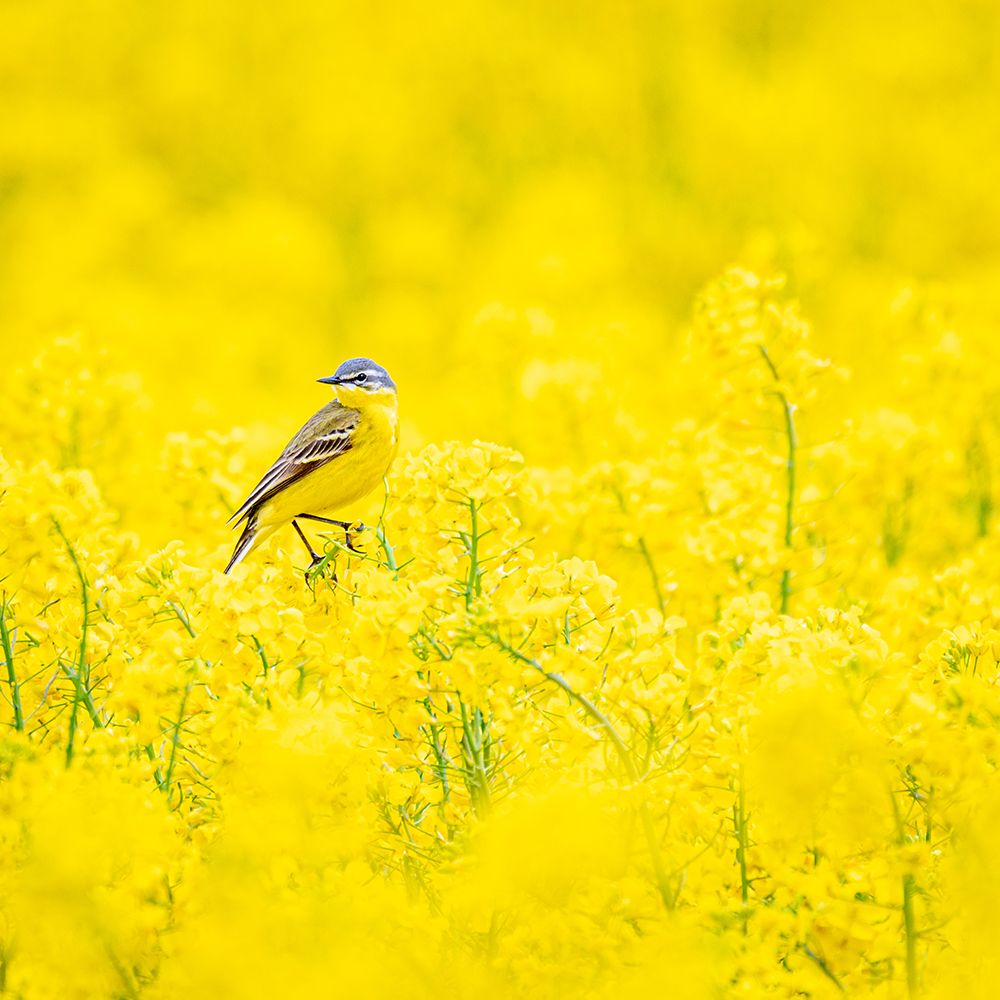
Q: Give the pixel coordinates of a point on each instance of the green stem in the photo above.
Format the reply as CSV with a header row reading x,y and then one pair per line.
x,y
791,437
83,695
387,549
657,589
473,583
81,675
647,556
742,841
262,655
175,741
474,732
440,757
8,651
823,967
662,879
182,617
910,931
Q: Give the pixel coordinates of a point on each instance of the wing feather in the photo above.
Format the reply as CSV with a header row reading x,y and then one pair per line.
x,y
322,438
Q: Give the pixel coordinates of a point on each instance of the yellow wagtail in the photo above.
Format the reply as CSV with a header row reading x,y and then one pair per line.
x,y
341,453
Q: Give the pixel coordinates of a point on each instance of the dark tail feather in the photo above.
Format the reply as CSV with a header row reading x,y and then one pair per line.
x,y
245,543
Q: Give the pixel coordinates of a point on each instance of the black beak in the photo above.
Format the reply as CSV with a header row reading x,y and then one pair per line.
x,y
330,380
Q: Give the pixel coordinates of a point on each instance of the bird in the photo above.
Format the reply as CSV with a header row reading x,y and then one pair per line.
x,y
341,453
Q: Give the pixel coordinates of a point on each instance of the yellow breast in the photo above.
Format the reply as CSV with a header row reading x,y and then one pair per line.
x,y
347,478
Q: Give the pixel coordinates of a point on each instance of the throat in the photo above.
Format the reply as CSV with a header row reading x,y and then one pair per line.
x,y
382,417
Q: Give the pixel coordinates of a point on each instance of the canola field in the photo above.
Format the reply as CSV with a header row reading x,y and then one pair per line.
x,y
669,667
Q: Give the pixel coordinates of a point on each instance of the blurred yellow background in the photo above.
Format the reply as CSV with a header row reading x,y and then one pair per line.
x,y
231,198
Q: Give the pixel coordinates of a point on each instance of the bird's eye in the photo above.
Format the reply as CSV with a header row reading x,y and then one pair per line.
x,y
361,377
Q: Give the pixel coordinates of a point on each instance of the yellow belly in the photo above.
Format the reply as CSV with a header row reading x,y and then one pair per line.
x,y
343,480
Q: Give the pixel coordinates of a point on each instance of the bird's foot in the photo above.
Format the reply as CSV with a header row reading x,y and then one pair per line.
x,y
349,532
316,568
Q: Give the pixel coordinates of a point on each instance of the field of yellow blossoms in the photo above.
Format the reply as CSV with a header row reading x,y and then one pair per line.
x,y
669,667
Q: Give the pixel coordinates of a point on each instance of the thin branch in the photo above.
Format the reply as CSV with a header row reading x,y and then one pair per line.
x,y
662,879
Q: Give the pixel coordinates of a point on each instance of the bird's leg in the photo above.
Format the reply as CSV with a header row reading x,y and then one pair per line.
x,y
316,557
344,525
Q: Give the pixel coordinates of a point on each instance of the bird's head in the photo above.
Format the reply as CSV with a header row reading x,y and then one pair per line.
x,y
360,382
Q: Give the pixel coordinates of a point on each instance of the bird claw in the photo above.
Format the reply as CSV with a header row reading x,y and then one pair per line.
x,y
315,568
354,529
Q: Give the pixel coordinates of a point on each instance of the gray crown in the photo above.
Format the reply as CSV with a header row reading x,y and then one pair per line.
x,y
361,373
